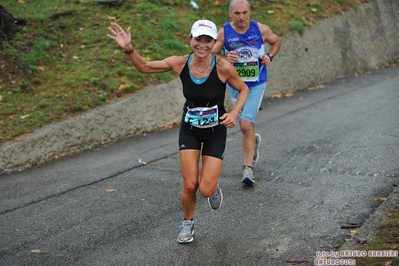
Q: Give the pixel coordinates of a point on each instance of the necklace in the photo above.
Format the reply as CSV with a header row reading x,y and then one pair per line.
x,y
203,70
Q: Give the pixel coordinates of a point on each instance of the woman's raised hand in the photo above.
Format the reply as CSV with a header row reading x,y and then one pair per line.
x,y
123,38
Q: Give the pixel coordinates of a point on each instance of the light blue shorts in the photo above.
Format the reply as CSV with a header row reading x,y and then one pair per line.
x,y
252,105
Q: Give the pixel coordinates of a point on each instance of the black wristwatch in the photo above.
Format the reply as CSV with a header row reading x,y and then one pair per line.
x,y
270,56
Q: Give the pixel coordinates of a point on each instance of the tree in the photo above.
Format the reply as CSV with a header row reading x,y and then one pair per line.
x,y
8,25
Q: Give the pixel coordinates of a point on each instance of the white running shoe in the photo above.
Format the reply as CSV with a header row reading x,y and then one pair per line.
x,y
248,175
187,232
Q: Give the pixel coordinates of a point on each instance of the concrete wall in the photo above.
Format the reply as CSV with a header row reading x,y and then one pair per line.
x,y
356,41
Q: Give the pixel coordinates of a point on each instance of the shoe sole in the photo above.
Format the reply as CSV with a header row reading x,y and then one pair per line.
x,y
247,180
185,241
221,201
259,140
256,157
182,241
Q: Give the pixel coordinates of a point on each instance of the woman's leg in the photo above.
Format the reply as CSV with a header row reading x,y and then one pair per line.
x,y
189,161
211,169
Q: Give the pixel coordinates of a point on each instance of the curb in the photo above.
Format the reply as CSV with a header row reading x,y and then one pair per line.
x,y
370,227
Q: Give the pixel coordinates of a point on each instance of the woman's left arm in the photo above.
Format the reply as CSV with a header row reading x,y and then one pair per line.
x,y
231,76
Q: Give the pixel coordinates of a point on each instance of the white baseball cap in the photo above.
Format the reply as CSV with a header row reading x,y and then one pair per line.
x,y
204,27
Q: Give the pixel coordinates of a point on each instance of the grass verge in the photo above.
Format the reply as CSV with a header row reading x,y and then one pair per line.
x,y
386,239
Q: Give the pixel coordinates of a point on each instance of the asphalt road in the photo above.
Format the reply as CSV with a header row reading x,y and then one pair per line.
x,y
328,157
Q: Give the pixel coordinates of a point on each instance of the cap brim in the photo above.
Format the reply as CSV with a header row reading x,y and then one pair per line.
x,y
199,33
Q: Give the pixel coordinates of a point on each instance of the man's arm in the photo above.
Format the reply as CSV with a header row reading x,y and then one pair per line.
x,y
269,37
219,42
231,56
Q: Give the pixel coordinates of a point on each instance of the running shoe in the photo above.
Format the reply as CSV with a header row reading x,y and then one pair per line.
x,y
216,200
187,232
258,139
248,175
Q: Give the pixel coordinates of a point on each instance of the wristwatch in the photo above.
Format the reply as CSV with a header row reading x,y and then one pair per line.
x,y
270,56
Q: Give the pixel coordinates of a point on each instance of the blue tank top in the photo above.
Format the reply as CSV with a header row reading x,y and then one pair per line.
x,y
250,47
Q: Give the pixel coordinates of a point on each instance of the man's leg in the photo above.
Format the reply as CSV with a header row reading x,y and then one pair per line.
x,y
248,141
247,125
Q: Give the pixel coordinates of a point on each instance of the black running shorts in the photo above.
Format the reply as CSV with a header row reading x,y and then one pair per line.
x,y
212,140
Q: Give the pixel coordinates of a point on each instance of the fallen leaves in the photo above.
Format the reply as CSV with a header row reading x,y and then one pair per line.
x,y
379,198
316,87
394,246
124,86
354,231
282,95
35,251
170,126
277,96
218,3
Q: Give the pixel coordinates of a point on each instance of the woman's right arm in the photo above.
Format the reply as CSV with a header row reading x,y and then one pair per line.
x,y
123,38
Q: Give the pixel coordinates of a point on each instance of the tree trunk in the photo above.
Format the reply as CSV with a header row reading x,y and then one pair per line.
x,y
8,28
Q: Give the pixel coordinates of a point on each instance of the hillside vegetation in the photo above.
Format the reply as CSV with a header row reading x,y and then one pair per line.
x,y
62,63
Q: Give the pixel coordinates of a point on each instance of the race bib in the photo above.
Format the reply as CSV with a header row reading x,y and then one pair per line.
x,y
248,71
202,117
